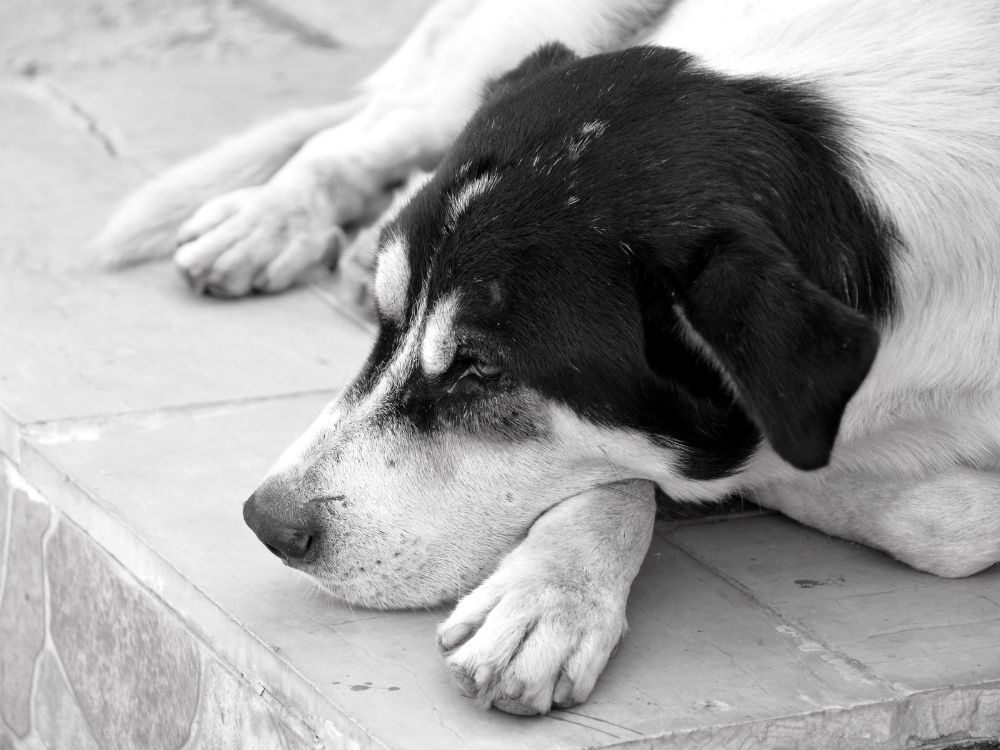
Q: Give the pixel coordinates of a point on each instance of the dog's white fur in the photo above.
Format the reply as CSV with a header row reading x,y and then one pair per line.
x,y
392,278
916,469
438,347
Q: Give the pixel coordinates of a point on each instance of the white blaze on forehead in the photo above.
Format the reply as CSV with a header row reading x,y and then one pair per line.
x,y
468,193
392,278
439,344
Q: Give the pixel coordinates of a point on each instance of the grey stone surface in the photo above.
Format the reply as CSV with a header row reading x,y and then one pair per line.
x,y
53,35
908,628
232,717
5,495
86,344
57,717
701,652
78,342
60,187
352,23
22,611
133,668
158,116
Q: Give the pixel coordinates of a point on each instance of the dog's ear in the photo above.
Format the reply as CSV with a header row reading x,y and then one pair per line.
x,y
547,57
793,354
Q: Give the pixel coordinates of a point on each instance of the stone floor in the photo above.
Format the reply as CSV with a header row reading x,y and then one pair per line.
x,y
137,611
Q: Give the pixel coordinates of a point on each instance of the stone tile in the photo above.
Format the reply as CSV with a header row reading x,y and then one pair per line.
x,y
353,23
85,344
701,652
124,654
909,628
22,611
958,712
57,717
78,342
5,499
65,184
158,117
231,715
47,35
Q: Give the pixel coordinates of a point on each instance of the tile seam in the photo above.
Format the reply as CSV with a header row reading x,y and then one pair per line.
x,y
897,709
73,429
798,630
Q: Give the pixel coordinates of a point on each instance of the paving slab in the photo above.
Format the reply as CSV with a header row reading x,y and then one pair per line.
x,y
701,652
348,23
158,116
710,661
84,344
914,630
60,182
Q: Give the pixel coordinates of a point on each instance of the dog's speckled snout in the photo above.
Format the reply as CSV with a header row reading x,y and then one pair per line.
x,y
288,529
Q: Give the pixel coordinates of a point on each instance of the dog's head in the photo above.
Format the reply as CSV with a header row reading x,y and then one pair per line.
x,y
593,286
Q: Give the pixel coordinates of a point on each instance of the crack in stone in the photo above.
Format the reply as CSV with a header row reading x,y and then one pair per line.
x,y
60,100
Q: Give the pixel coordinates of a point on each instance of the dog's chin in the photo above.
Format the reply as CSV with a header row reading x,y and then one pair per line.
x,y
429,586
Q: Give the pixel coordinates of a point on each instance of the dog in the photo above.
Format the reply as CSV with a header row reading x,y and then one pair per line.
x,y
713,247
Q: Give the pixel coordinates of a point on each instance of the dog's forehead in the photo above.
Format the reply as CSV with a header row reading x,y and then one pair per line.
x,y
392,276
439,247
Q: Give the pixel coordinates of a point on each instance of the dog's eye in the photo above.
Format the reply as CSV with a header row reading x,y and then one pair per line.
x,y
475,373
483,371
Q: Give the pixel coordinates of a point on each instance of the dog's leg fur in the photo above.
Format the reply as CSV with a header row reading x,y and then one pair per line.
x,y
253,234
145,224
540,630
948,524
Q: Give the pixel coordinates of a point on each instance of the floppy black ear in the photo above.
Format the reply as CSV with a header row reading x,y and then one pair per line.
x,y
546,57
794,353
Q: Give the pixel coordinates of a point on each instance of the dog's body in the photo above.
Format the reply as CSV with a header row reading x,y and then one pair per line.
x,y
769,264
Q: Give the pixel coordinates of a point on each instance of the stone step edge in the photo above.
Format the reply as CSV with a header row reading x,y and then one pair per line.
x,y
218,631
903,721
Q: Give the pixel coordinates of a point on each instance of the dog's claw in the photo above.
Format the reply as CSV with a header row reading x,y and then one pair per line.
x,y
451,638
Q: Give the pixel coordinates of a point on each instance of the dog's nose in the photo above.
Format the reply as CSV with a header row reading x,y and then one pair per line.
x,y
288,534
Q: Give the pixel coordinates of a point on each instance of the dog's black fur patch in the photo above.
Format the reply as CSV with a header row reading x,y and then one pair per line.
x,y
638,194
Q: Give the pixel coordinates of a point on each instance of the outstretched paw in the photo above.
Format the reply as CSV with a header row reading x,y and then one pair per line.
x,y
532,637
257,239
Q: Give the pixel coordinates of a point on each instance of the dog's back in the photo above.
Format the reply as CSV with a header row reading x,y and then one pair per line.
x,y
918,87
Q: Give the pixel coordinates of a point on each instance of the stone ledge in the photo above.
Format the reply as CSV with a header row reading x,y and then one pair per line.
x,y
708,663
92,659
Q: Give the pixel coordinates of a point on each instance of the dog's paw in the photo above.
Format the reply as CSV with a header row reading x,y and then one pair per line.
x,y
532,637
356,267
257,239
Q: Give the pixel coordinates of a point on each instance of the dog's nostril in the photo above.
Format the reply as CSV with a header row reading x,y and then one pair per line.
x,y
288,543
288,532
297,544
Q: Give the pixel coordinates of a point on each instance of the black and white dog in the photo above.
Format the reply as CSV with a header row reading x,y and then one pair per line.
x,y
767,263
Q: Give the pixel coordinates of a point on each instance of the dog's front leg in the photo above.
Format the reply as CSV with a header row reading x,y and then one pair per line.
x,y
539,631
267,236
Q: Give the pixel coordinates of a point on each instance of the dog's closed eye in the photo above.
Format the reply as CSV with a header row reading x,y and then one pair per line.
x,y
474,372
